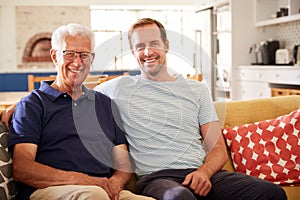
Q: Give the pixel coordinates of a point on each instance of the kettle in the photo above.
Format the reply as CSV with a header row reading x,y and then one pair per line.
x,y
296,54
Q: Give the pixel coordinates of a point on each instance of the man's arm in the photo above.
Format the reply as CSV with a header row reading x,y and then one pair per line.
x,y
122,168
7,114
30,172
217,153
199,180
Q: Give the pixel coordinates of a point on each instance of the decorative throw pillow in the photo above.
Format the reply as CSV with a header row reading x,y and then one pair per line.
x,y
7,185
268,149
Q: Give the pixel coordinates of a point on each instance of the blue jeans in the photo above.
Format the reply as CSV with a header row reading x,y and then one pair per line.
x,y
166,185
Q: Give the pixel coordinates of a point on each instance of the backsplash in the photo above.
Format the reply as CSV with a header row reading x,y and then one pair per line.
x,y
288,34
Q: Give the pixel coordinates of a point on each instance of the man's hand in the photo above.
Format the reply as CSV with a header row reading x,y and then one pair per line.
x,y
7,114
198,181
116,187
107,186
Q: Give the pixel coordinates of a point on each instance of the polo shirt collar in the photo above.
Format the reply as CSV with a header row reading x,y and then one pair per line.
x,y
53,94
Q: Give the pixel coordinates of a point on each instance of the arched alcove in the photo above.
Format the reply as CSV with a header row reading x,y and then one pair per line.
x,y
37,48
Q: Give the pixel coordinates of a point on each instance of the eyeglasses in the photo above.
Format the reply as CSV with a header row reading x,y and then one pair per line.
x,y
84,56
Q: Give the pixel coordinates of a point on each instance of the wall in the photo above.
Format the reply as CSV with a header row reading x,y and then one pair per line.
x,y
28,23
244,32
41,15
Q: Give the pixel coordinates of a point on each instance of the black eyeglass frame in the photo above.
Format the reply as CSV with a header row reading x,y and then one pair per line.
x,y
84,56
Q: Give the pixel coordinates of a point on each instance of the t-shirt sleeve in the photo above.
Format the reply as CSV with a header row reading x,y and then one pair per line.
x,y
108,87
207,112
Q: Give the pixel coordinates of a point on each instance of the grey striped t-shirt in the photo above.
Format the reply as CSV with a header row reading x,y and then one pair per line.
x,y
161,120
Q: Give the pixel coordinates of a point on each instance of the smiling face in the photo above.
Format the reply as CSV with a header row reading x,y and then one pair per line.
x,y
150,51
72,72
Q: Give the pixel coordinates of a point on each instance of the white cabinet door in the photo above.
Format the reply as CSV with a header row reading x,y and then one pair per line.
x,y
252,82
252,90
285,76
252,75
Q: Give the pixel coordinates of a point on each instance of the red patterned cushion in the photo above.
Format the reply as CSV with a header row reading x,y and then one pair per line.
x,y
268,149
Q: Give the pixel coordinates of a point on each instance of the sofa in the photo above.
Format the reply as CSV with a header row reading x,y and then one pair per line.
x,y
231,114
238,113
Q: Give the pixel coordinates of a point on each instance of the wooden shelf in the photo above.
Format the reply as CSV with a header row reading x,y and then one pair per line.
x,y
279,20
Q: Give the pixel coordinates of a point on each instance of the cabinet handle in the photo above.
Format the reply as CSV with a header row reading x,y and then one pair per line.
x,y
258,75
259,94
277,75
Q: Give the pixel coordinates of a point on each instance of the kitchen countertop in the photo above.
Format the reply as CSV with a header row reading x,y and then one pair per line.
x,y
289,85
295,67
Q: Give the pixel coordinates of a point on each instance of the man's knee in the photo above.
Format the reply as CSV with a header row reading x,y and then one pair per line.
x,y
178,193
94,192
164,189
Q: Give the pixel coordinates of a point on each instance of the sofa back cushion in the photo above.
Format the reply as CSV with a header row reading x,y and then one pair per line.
x,y
235,113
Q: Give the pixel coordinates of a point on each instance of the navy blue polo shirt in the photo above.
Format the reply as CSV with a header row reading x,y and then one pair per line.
x,y
71,135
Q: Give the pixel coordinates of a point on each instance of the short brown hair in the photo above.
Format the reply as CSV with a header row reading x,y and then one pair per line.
x,y
147,21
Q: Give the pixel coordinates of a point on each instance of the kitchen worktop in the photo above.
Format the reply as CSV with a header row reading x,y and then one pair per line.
x,y
285,85
296,67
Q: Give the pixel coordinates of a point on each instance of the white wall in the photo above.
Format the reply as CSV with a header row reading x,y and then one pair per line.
x,y
12,46
244,32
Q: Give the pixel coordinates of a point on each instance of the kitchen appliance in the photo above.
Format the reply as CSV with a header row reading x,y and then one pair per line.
x,y
282,57
265,52
296,54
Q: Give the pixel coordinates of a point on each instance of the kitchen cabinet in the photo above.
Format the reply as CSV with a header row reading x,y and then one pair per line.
x,y
253,82
265,11
239,32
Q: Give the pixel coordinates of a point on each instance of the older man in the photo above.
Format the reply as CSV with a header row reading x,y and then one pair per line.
x,y
66,142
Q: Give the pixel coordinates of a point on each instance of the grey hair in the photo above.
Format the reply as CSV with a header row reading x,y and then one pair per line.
x,y
72,29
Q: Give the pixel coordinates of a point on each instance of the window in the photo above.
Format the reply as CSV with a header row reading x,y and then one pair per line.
x,y
112,48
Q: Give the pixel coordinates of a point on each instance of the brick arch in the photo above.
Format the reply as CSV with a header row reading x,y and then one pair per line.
x,y
30,45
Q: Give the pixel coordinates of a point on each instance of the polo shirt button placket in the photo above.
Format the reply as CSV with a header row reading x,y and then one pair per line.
x,y
76,112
